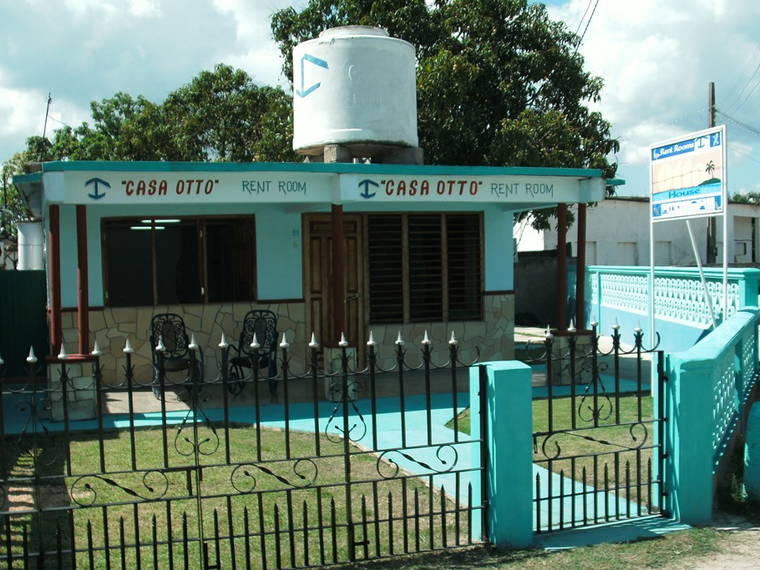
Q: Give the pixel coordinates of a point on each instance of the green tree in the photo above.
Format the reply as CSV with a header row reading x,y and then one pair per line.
x,y
498,82
219,115
748,198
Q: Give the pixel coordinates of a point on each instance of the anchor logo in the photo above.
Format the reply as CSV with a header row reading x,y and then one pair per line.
x,y
365,193
304,91
96,182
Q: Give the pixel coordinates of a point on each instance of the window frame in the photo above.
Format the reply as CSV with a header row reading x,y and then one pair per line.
x,y
405,267
201,237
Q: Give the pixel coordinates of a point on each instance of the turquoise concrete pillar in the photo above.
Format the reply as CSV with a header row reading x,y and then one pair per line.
x,y
689,438
509,429
752,454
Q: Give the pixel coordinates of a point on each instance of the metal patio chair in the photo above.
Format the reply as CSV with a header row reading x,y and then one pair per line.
x,y
170,329
264,324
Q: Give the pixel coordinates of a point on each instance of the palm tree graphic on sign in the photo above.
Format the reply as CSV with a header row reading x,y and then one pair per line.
x,y
710,168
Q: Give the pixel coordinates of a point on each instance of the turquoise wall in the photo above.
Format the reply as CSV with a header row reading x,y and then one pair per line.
x,y
279,244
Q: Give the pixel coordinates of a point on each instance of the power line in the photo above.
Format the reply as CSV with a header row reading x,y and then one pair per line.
x,y
580,23
738,122
588,23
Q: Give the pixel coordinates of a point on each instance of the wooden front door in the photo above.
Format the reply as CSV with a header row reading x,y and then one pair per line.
x,y
319,280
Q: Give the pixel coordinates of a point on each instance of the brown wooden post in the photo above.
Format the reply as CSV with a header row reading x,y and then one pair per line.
x,y
83,293
338,281
54,271
562,267
580,271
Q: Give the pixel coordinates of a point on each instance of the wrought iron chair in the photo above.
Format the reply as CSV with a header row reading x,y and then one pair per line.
x,y
264,324
170,329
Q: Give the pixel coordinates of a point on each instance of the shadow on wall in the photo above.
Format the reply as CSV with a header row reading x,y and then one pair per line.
x,y
536,288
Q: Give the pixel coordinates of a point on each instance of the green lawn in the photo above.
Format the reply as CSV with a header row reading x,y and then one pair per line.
x,y
228,491
610,454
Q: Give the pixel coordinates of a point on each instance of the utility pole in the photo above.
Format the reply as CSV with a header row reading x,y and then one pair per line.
x,y
712,249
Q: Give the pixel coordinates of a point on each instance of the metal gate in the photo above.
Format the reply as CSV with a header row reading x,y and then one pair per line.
x,y
297,470
597,441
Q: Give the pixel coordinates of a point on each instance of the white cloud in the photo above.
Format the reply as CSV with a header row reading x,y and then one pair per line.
x,y
657,58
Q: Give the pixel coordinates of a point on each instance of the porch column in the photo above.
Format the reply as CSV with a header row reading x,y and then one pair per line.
x,y
338,281
580,272
562,267
83,293
54,271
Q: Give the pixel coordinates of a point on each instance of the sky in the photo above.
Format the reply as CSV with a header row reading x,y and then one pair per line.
x,y
656,59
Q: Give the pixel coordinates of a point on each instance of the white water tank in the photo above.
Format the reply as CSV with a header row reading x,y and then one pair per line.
x,y
354,86
30,247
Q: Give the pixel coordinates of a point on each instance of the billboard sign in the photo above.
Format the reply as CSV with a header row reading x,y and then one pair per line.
x,y
688,176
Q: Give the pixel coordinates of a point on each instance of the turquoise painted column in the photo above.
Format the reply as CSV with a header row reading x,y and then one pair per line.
x,y
509,426
689,437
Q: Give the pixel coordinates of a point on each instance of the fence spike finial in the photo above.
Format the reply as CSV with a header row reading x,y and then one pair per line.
x,y
548,334
453,340
638,329
254,342
32,358
193,343
284,342
223,344
399,340
426,338
571,328
159,347
342,342
313,342
371,340
129,350
96,349
616,326
62,354
1,361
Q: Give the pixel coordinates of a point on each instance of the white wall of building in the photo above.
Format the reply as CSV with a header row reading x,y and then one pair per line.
x,y
617,233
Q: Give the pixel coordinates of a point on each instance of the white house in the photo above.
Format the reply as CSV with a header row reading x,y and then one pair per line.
x,y
617,233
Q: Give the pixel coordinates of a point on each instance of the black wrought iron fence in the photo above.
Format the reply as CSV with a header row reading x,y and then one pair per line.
x,y
598,453
238,471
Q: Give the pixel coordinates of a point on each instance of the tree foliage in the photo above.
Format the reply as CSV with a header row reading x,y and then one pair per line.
x,y
221,115
498,82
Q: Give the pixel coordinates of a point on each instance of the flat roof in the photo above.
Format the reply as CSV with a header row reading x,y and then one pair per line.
x,y
317,167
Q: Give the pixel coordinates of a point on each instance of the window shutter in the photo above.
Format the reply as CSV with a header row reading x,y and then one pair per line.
x,y
464,266
385,269
425,268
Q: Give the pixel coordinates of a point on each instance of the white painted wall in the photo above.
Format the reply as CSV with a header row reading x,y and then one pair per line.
x,y
617,233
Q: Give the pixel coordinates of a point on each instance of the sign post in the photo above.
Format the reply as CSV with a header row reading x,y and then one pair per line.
x,y
687,178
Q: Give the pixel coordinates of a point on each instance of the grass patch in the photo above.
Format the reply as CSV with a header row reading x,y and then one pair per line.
x,y
111,491
616,454
660,552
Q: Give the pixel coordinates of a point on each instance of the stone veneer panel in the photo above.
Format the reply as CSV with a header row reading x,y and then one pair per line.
x,y
493,336
112,326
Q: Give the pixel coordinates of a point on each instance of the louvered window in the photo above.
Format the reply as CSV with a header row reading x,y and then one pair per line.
x,y
424,267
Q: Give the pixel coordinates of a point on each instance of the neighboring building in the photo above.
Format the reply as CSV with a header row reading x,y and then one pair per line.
x,y
618,234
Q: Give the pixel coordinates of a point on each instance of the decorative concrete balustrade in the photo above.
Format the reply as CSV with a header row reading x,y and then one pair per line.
x,y
621,294
707,396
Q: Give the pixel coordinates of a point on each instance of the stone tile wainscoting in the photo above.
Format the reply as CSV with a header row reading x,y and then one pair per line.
x,y
111,326
493,336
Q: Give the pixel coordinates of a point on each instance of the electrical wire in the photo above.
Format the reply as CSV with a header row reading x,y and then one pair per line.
x,y
588,23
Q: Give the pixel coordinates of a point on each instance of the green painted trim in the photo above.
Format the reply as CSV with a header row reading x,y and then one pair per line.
x,y
317,167
27,178
614,182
